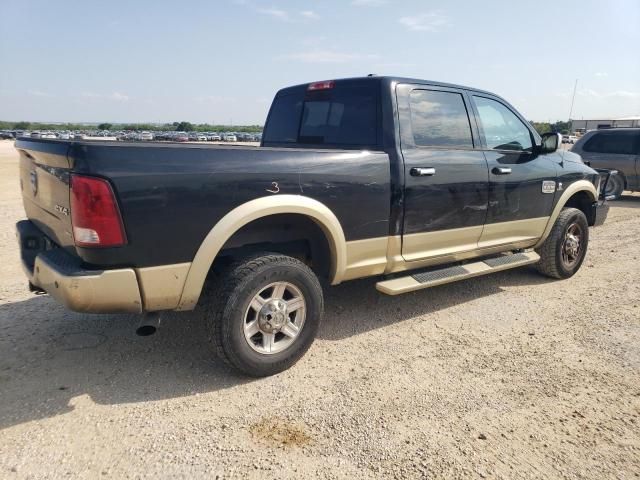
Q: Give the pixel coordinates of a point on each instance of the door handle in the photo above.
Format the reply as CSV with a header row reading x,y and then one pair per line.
x,y
501,171
422,172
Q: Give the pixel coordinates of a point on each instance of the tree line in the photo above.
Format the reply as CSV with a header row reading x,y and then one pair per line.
x,y
557,127
541,127
152,127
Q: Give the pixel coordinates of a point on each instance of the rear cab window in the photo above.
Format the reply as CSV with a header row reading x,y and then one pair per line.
x,y
341,114
439,119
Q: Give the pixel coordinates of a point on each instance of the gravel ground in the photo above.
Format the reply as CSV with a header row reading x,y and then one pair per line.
x,y
507,376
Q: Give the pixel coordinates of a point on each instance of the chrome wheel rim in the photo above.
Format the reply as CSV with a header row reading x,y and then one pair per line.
x,y
275,317
572,245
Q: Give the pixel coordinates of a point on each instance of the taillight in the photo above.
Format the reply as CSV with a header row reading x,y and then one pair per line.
x,y
326,85
95,215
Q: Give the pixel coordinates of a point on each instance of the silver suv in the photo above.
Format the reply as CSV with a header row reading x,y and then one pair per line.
x,y
615,148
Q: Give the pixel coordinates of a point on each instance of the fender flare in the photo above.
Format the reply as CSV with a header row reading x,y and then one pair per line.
x,y
570,191
247,213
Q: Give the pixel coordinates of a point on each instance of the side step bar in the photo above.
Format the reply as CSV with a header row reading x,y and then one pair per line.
x,y
431,278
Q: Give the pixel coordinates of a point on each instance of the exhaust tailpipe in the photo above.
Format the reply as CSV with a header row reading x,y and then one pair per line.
x,y
149,324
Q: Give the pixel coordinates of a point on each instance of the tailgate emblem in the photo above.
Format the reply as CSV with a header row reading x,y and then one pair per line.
x,y
548,186
34,181
62,210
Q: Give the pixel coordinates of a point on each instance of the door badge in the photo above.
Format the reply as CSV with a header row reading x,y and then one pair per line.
x,y
548,186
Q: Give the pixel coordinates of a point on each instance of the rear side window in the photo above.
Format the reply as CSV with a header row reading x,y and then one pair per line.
x,y
503,130
343,116
623,143
439,119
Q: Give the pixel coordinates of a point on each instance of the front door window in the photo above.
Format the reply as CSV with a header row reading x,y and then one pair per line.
x,y
502,129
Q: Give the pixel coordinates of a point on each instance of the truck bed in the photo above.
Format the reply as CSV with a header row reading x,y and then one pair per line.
x,y
171,194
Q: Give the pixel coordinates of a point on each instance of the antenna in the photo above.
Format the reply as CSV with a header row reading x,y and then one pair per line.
x,y
573,98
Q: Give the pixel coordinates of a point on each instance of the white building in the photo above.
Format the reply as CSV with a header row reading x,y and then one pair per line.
x,y
586,125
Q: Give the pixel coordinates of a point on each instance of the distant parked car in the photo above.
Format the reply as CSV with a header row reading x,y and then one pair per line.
x,y
614,148
161,136
181,137
201,137
145,136
229,137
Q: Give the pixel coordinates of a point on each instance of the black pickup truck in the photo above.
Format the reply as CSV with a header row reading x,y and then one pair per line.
x,y
418,182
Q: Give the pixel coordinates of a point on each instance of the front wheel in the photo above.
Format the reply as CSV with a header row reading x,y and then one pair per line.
x,y
264,312
615,187
563,252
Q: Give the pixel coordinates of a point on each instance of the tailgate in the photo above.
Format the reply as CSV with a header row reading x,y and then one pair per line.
x,y
44,182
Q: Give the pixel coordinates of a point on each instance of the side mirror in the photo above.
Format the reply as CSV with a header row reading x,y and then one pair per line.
x,y
551,142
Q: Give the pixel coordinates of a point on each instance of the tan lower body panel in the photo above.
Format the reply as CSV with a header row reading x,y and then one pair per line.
x,y
398,264
386,255
512,232
366,257
161,287
417,246
406,284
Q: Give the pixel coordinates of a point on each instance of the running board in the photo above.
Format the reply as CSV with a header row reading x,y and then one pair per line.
x,y
431,278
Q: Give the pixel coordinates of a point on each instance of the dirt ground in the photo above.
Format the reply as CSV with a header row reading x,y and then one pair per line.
x,y
507,376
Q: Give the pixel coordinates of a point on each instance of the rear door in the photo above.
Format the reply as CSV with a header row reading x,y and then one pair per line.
x,y
446,183
522,183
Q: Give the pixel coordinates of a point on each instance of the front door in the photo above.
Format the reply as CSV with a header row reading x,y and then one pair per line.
x,y
522,183
446,184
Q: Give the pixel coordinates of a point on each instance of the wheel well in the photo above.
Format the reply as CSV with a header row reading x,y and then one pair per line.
x,y
296,235
583,202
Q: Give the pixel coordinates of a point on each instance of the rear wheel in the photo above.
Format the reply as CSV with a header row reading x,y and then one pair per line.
x,y
563,252
264,312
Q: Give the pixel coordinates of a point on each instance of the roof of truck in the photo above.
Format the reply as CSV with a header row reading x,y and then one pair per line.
x,y
390,79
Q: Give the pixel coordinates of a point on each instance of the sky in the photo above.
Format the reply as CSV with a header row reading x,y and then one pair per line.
x,y
222,61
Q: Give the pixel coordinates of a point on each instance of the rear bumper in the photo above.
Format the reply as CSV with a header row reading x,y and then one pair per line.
x,y
63,277
599,212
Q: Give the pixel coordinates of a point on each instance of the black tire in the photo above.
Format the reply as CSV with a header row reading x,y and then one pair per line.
x,y
615,187
227,301
558,259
